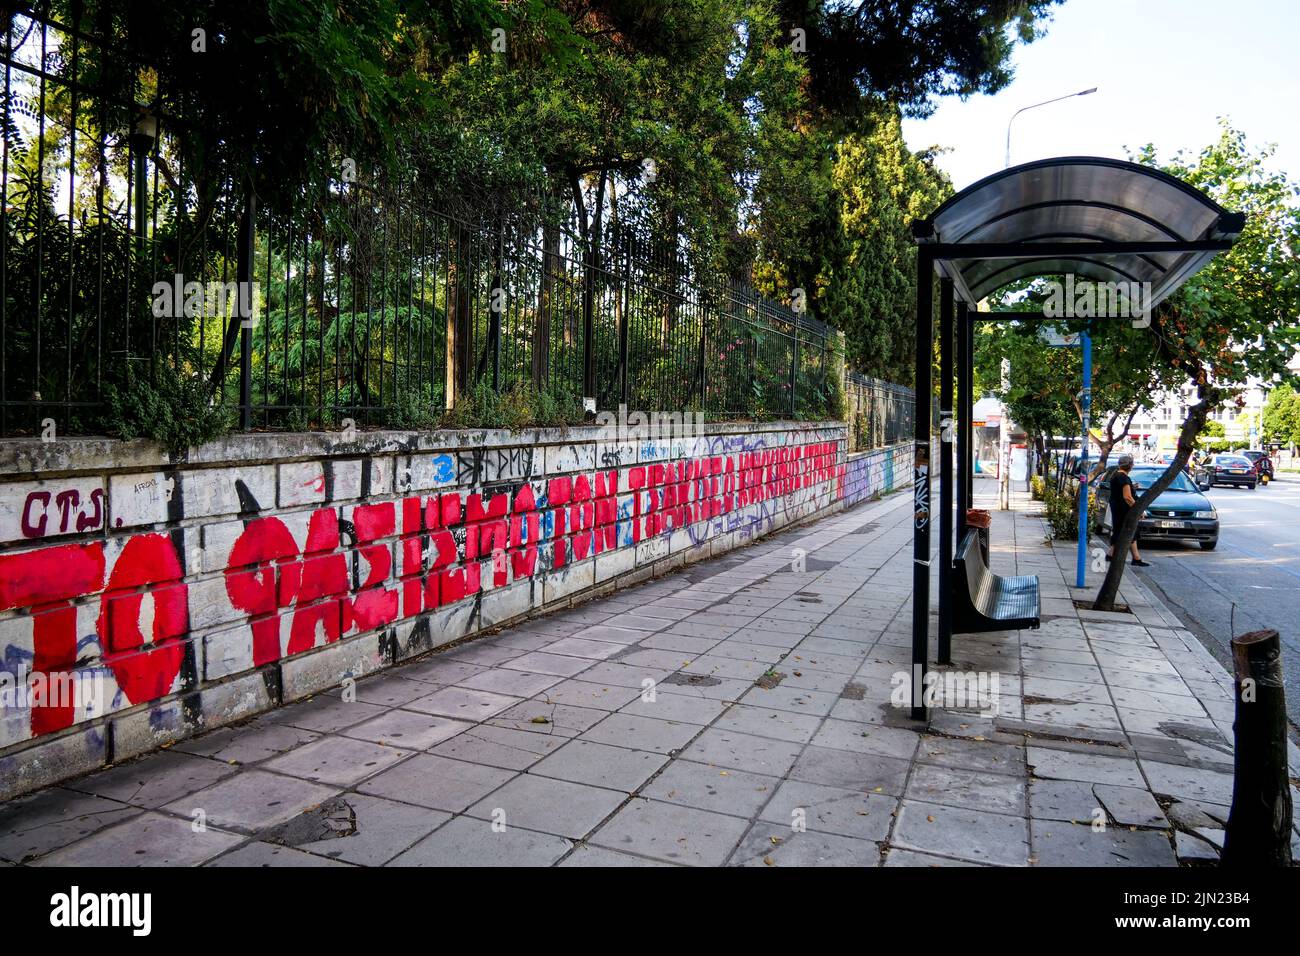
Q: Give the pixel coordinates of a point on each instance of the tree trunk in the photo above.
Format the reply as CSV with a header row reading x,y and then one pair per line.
x,y
542,328
1196,416
1259,824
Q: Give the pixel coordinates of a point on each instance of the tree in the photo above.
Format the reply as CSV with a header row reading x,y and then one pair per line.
x,y
834,186
1281,418
1233,321
1045,380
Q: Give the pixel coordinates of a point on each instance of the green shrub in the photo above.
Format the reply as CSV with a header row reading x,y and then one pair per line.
x,y
415,409
1062,514
520,406
175,410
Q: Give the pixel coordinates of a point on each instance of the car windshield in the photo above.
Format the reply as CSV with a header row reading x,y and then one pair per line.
x,y
1145,478
1232,461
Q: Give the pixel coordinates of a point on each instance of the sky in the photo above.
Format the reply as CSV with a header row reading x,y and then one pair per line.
x,y
1165,70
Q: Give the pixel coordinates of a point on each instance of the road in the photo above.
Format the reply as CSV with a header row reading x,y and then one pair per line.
x,y
1251,581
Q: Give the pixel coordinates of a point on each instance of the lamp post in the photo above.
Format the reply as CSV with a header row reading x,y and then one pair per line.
x,y
1057,99
144,133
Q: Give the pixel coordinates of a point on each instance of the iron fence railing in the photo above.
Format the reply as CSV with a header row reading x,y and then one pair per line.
x,y
368,297
880,413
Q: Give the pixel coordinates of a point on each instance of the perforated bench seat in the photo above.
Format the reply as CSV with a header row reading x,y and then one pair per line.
x,y
984,601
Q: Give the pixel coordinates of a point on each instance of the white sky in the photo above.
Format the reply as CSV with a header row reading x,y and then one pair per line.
x,y
1165,71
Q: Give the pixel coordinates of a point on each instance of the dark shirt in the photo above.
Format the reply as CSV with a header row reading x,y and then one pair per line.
x,y
1119,506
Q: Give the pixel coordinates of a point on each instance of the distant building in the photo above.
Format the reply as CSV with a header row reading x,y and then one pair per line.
x,y
1156,429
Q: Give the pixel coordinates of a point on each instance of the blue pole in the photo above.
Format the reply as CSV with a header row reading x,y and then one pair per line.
x,y
1081,566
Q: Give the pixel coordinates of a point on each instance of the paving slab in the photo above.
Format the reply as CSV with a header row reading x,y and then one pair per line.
x,y
152,839
1066,844
463,703
667,704
36,824
540,662
357,828
849,770
705,787
642,733
1190,849
578,647
388,690
769,845
583,693
669,832
974,835
720,747
598,856
1090,767
499,747
337,760
260,854
900,857
155,780
549,806
250,743
601,765
1130,806
541,716
512,683
408,730
436,782
867,738
467,841
974,789
865,816
766,722
1066,800
252,800
325,714
972,754
1189,783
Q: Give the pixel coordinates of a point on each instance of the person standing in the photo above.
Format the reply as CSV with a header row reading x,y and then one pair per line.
x,y
1121,503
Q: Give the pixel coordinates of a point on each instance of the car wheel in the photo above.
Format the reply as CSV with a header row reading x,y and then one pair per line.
x,y
1209,545
1251,486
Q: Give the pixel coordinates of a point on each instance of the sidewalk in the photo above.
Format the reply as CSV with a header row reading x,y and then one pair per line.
x,y
737,713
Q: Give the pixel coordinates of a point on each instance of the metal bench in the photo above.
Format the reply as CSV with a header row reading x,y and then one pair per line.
x,y
984,601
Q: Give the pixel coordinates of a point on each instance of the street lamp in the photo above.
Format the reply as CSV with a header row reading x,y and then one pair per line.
x,y
144,133
1057,99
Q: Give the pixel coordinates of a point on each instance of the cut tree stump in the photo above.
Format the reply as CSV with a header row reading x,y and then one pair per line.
x,y
1259,823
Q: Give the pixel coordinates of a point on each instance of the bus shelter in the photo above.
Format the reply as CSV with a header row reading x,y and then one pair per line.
x,y
1097,219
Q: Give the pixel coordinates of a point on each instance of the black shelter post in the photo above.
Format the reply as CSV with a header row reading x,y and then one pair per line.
x,y
946,498
921,480
968,403
964,373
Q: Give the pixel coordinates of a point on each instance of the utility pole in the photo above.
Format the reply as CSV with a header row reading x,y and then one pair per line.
x,y
1004,445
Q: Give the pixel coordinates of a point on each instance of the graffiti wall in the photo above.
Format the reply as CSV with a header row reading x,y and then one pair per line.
x,y
873,473
143,600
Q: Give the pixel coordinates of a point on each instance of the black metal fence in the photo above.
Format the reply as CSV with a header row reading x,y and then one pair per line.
x,y
373,298
880,413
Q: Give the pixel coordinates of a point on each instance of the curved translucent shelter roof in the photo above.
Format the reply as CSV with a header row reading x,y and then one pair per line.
x,y
1098,218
